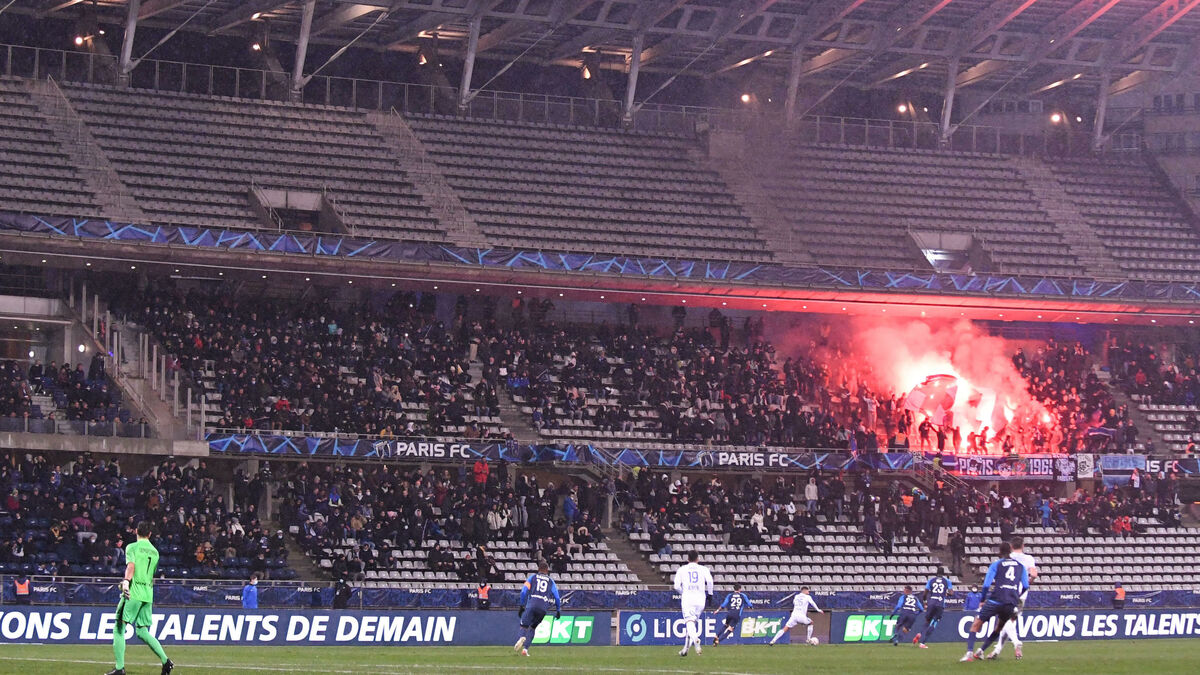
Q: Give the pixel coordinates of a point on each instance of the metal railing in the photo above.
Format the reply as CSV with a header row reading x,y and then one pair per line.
x,y
424,99
29,425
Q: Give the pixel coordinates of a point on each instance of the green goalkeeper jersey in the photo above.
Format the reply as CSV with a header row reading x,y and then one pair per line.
x,y
144,557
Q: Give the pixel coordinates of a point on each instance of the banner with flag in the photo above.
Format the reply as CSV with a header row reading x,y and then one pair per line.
x,y
933,398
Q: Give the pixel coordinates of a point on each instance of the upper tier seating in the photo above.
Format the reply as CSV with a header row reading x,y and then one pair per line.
x,y
191,160
855,207
589,190
1136,215
1160,559
36,173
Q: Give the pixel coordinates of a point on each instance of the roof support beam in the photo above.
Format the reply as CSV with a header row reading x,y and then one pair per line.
x,y
823,17
422,23
587,38
306,20
905,19
124,65
635,63
1140,32
155,7
562,12
979,71
993,18
1066,26
342,16
245,12
730,23
52,6
897,69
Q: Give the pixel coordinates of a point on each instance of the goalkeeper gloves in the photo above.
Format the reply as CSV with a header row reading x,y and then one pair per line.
x,y
125,588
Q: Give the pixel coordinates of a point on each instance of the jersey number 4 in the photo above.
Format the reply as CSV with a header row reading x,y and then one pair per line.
x,y
1010,573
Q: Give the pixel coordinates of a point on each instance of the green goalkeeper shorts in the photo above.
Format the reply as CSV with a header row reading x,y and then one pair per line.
x,y
136,613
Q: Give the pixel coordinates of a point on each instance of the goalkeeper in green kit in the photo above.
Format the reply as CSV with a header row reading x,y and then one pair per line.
x,y
137,600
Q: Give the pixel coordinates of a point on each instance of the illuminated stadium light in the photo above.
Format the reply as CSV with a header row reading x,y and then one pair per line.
x,y
81,348
1056,118
1078,118
256,47
587,72
902,108
31,353
745,98
421,60
79,40
256,16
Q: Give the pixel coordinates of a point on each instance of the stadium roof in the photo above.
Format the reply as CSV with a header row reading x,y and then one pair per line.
x,y
1029,44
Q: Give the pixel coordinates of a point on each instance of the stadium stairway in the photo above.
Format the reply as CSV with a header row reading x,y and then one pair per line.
x,y
113,196
442,199
510,412
1079,236
747,190
627,551
306,567
1145,427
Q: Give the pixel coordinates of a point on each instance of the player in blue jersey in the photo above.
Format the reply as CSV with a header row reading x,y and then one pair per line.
x,y
936,590
536,594
1006,580
909,607
734,604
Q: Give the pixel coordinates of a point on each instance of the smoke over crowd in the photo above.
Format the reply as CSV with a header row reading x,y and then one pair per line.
x,y
888,359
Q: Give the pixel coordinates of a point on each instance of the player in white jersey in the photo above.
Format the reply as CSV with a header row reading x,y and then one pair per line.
x,y
694,583
800,604
1010,628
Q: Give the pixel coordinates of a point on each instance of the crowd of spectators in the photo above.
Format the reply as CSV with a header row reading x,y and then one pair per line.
x,y
80,395
75,517
784,510
1140,369
743,508
393,369
690,385
1089,420
367,511
323,366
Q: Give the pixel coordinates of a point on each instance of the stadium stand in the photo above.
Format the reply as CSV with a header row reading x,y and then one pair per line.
x,y
1136,215
1086,541
322,366
857,206
71,519
202,175
1062,377
589,190
1158,558
396,527
626,383
768,535
1167,392
37,175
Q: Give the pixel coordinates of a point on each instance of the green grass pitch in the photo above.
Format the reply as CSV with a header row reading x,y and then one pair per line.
x,y
1092,657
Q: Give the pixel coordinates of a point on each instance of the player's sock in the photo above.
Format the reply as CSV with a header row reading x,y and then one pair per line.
x,y
119,645
971,641
144,634
778,635
692,634
928,631
810,627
